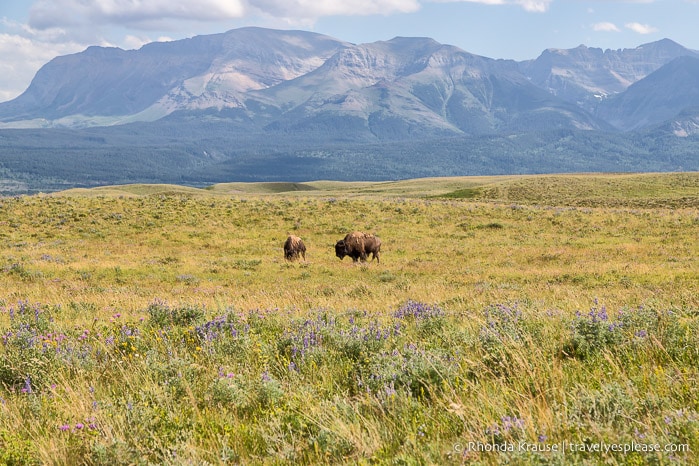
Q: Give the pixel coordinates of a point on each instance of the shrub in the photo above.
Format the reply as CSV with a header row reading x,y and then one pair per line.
x,y
607,406
15,450
417,310
161,314
592,333
422,373
502,334
246,395
31,347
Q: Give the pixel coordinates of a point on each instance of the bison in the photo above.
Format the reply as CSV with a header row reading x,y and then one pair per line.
x,y
358,246
294,247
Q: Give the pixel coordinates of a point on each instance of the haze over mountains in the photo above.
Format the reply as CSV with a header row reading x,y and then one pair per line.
x,y
264,104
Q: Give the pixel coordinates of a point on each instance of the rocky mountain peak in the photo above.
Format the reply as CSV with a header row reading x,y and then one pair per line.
x,y
290,78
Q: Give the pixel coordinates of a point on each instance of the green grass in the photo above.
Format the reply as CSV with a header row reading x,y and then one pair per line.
x,y
161,324
635,190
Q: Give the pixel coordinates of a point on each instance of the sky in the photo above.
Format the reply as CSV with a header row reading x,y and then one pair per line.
x,y
32,32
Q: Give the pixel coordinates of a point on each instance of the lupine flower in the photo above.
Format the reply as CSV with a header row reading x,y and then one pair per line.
x,y
509,422
27,385
417,310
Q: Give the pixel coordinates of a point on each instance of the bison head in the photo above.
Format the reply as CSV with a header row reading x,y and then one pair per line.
x,y
340,249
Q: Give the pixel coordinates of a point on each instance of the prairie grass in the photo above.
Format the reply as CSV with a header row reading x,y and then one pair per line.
x,y
162,325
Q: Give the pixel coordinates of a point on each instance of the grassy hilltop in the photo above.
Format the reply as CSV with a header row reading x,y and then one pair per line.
x,y
160,324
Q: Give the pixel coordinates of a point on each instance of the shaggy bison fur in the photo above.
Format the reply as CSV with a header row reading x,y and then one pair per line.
x,y
358,246
294,247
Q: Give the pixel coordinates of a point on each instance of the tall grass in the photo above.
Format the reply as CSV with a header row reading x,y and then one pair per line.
x,y
167,328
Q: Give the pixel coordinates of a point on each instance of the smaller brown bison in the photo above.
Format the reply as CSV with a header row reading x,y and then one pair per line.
x,y
293,248
358,246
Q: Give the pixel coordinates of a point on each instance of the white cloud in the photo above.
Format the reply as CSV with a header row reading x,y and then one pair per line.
x,y
641,28
605,27
317,9
136,42
73,15
536,6
21,59
46,14
484,2
627,1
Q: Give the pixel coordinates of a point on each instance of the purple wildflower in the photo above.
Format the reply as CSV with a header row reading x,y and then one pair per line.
x,y
27,385
417,310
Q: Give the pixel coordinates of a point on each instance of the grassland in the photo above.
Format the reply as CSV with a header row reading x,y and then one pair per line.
x,y
161,324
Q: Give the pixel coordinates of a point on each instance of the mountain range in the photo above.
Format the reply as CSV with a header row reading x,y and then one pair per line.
x,y
265,104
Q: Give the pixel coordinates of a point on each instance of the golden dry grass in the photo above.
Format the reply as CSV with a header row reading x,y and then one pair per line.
x,y
119,260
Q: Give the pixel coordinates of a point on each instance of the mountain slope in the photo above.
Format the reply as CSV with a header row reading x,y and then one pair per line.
x,y
661,96
413,87
586,75
199,72
294,82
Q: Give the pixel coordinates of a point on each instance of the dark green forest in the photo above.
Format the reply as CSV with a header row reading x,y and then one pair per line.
x,y
202,151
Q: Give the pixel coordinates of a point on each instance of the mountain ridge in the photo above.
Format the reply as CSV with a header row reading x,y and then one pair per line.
x,y
255,104
276,77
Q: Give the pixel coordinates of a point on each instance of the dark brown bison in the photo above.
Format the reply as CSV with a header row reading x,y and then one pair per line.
x,y
358,246
294,247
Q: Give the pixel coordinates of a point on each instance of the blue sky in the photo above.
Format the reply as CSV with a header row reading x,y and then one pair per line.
x,y
32,32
